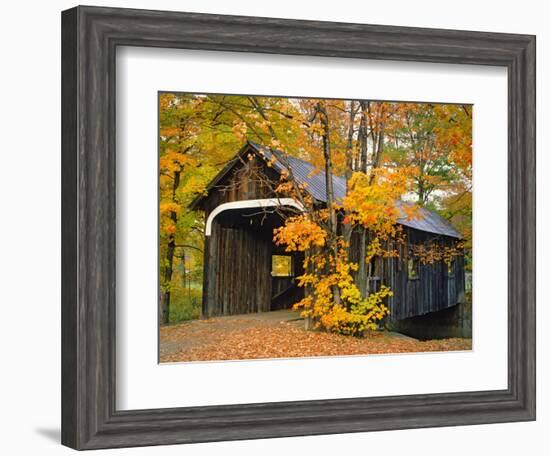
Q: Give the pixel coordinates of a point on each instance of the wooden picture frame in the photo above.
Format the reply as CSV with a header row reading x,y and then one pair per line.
x,y
90,37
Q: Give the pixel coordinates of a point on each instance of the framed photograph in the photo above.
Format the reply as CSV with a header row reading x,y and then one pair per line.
x,y
280,228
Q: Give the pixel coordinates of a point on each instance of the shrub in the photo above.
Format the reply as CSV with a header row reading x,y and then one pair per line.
x,y
185,305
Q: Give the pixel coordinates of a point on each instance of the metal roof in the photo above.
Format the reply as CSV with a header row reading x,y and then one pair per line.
x,y
426,220
306,173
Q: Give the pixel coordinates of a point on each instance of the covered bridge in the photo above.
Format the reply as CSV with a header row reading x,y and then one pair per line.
x,y
244,271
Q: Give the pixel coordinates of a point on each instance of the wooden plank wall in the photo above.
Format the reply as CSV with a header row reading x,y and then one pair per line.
x,y
241,184
433,290
237,275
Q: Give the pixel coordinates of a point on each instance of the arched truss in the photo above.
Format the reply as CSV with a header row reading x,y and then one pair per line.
x,y
260,203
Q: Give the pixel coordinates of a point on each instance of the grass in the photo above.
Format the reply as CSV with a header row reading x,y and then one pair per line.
x,y
185,304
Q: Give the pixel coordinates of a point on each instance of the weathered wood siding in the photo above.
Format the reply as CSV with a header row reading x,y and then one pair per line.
x,y
242,183
433,290
237,273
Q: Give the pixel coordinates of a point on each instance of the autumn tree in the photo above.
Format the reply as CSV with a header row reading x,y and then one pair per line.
x,y
196,136
349,137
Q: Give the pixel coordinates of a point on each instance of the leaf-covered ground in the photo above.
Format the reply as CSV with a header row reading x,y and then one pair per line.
x,y
279,335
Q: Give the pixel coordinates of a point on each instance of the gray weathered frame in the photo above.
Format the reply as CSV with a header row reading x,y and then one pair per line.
x,y
90,36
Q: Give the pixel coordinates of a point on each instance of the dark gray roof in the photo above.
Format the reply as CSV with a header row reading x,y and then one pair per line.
x,y
306,173
426,220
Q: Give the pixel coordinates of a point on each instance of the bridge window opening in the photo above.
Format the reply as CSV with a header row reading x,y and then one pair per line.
x,y
451,268
281,266
412,268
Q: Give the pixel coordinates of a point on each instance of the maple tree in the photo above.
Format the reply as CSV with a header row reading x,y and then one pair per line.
x,y
339,298
194,140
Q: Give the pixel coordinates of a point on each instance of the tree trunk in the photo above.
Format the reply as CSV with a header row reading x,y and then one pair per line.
x,y
379,147
347,229
421,191
167,280
332,220
328,173
378,150
362,271
361,274
363,137
164,303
